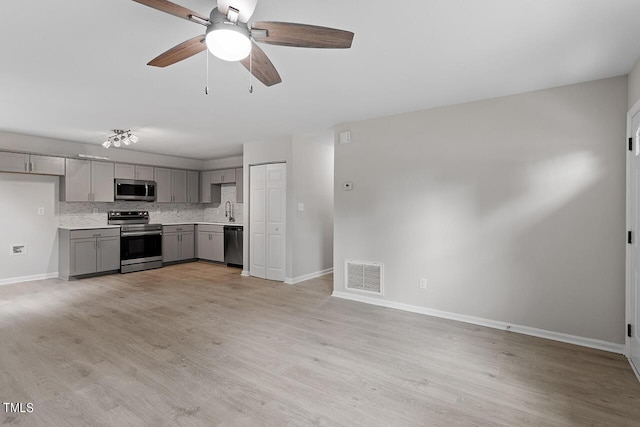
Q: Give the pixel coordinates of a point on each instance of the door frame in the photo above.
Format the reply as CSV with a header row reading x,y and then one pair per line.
x,y
247,220
635,109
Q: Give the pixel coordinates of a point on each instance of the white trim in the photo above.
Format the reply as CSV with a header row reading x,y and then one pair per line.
x,y
633,368
22,279
294,280
628,265
245,273
526,330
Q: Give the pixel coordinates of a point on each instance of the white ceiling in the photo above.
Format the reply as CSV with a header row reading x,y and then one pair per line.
x,y
74,69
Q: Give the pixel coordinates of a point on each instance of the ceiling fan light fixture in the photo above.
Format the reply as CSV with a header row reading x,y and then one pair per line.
x,y
133,138
228,41
106,144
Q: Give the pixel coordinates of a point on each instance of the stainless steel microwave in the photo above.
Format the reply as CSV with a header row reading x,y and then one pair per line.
x,y
134,189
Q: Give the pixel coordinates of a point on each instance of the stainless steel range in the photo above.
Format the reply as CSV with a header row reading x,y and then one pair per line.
x,y
140,242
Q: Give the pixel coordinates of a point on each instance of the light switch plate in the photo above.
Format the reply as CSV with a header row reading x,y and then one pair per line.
x,y
300,207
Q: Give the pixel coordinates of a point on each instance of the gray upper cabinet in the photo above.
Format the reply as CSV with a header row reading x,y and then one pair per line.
x,y
179,184
14,162
31,163
193,186
171,185
163,185
205,187
224,176
144,173
87,181
126,171
239,185
46,165
77,181
102,181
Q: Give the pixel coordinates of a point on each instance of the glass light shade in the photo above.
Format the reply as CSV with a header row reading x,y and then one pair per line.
x,y
133,138
116,143
229,44
106,144
125,140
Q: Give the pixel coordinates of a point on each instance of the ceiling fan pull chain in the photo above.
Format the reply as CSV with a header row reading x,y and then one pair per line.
x,y
251,71
206,88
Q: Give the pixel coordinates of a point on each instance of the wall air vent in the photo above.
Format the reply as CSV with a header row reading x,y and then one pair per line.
x,y
364,276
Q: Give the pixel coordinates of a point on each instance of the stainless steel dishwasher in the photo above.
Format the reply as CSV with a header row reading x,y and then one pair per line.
x,y
233,245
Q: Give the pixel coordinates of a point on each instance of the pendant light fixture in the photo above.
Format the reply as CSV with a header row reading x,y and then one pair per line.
x,y
120,137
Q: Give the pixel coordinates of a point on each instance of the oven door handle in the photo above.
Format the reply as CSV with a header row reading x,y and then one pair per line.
x,y
140,233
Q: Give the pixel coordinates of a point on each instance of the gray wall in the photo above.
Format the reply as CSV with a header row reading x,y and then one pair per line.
x,y
634,85
256,153
36,144
20,197
312,231
309,161
512,208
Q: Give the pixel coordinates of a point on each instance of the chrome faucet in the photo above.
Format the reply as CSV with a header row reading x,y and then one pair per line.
x,y
228,211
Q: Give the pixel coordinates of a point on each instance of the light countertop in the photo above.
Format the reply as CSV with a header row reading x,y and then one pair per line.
x,y
203,223
92,227
87,227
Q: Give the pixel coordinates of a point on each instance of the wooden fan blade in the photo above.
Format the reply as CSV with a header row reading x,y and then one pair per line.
x,y
302,35
172,9
261,67
182,51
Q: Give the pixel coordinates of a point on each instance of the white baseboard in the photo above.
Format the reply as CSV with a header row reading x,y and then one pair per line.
x,y
21,279
294,280
526,330
245,273
635,371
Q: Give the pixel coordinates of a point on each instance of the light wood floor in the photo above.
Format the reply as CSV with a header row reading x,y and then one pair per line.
x,y
198,345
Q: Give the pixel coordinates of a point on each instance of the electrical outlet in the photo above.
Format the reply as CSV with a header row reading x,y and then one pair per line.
x,y
423,283
175,210
95,210
40,211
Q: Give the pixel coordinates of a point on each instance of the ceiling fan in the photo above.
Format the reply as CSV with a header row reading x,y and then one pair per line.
x,y
229,36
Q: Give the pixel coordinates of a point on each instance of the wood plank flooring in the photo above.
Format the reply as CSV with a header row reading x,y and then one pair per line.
x,y
198,345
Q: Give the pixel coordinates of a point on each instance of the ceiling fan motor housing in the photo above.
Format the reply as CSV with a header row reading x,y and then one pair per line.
x,y
227,40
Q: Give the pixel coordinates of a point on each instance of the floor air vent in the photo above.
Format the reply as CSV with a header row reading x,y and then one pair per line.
x,y
364,276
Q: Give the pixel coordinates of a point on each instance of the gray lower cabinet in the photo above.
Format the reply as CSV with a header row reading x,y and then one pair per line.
x,y
88,251
178,243
31,163
210,242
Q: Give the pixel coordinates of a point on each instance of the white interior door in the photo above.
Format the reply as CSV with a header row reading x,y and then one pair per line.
x,y
276,221
267,212
634,192
257,222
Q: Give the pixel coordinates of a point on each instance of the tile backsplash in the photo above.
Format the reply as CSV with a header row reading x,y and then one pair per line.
x,y
83,214
215,212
